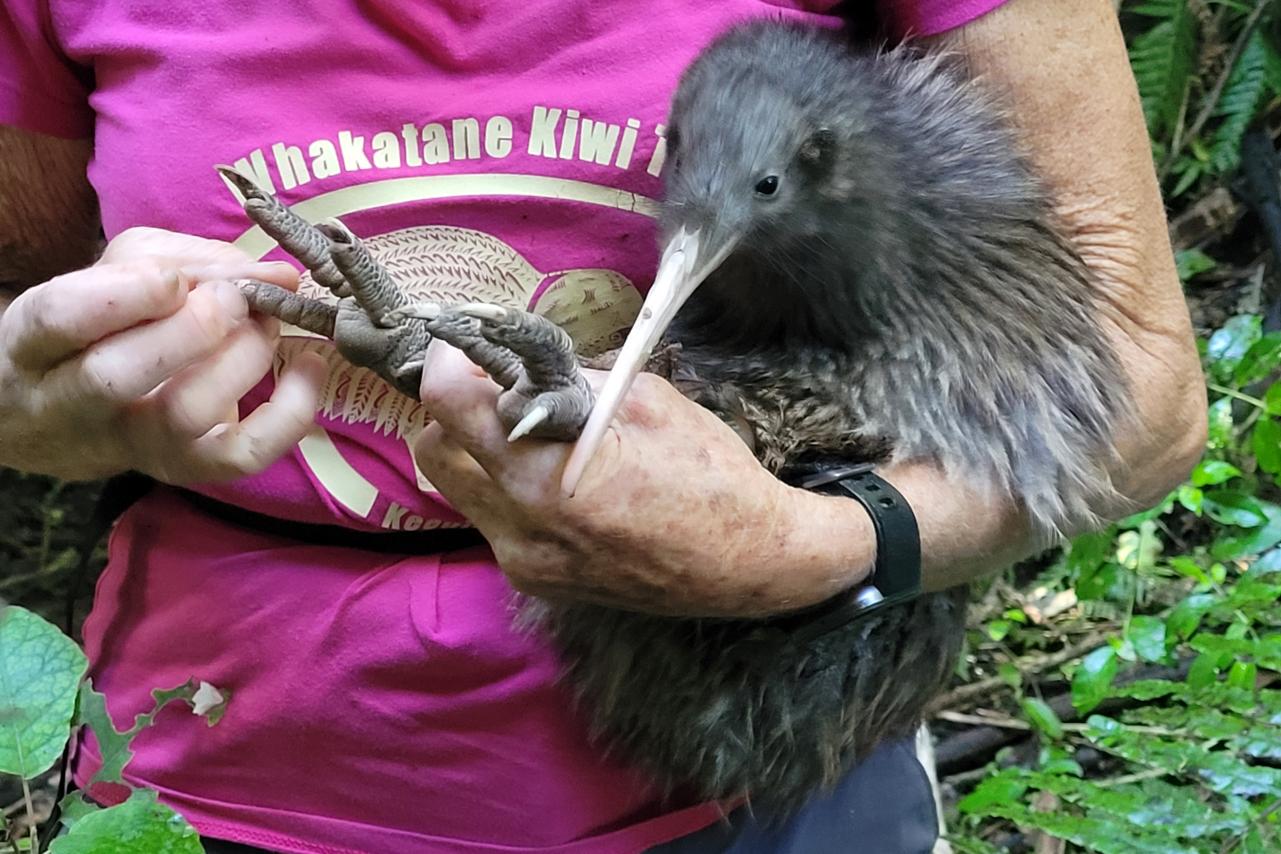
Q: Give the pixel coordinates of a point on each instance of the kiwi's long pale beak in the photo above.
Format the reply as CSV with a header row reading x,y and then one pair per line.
x,y
686,261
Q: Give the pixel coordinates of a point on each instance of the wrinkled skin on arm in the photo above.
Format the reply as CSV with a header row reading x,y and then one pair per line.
x,y
48,211
1064,72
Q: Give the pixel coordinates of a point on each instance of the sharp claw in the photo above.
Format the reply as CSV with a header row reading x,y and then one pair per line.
x,y
484,311
338,233
532,419
243,182
416,311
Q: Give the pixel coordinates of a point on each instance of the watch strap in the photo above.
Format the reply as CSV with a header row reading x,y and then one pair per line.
x,y
896,574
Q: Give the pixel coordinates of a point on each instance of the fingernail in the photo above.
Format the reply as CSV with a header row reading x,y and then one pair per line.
x,y
230,298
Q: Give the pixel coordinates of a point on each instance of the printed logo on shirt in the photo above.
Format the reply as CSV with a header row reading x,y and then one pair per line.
x,y
447,264
452,265
553,133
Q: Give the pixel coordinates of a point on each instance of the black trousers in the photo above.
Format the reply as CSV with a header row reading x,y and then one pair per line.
x,y
884,806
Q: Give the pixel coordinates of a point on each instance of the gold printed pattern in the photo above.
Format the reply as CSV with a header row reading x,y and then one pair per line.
x,y
447,264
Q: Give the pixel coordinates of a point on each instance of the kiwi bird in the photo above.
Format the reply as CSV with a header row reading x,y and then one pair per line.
x,y
859,265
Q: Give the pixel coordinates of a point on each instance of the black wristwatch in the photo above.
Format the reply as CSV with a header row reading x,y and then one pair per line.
x,y
896,575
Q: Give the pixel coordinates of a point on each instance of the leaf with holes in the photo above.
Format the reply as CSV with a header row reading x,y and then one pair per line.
x,y
40,670
114,745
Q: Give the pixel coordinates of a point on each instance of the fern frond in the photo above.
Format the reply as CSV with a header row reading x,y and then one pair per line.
x,y
1163,59
1246,86
1272,61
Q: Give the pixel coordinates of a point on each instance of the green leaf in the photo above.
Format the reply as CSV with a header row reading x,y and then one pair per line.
x,y
140,824
1152,513
1265,650
1109,582
998,629
1243,675
40,670
1269,561
1225,773
1162,60
1147,634
114,745
73,807
1000,789
1101,726
1192,262
1186,616
1189,172
1043,717
1239,104
1092,679
1189,568
1204,671
1213,473
1263,357
1232,507
1261,742
1272,60
1138,550
1219,416
1190,498
1272,398
1232,341
1088,551
1253,542
1265,440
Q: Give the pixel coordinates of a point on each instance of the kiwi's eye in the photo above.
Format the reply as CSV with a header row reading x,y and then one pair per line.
x,y
767,186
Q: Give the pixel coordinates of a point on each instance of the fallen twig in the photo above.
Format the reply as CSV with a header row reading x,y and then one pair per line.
x,y
1029,665
971,748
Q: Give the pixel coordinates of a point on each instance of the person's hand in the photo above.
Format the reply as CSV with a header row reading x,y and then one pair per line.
x,y
138,363
673,515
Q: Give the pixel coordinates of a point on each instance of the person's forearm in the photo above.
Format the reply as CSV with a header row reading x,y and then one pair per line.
x,y
48,211
964,533
1066,79
1065,76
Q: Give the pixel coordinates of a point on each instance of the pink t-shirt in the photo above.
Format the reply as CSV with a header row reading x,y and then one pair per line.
x,y
508,152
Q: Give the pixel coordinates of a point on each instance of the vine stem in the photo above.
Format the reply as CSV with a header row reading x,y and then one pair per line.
x,y
1004,722
1136,777
1232,843
31,815
1028,665
1233,393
